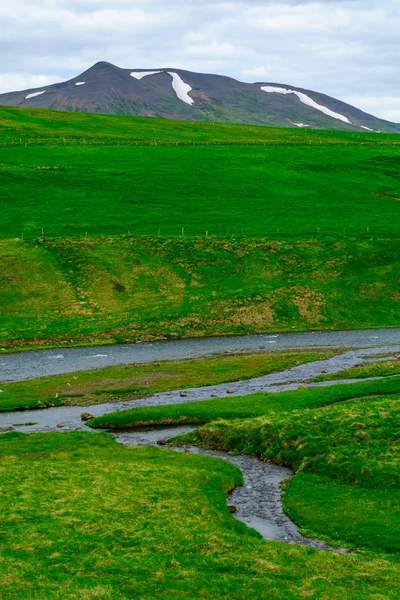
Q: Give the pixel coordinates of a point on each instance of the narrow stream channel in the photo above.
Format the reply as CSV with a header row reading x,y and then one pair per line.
x,y
258,502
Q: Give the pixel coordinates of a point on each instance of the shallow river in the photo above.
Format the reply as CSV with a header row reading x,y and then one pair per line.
x,y
29,365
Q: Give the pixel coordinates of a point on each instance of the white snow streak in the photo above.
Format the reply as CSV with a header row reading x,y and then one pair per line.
x,y
367,128
140,74
80,83
181,88
308,101
34,95
299,124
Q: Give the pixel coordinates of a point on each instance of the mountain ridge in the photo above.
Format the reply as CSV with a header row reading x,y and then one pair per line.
x,y
180,94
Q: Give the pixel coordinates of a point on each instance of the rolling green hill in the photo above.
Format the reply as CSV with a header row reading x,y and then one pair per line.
x,y
282,229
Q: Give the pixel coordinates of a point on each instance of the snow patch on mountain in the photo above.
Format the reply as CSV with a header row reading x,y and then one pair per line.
x,y
140,74
368,128
299,124
181,88
306,100
34,95
80,83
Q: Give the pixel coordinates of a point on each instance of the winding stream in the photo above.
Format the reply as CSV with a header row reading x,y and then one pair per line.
x,y
258,501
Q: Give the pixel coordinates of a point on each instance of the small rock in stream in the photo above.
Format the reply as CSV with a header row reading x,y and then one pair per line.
x,y
232,509
60,426
6,429
86,417
162,443
183,394
230,392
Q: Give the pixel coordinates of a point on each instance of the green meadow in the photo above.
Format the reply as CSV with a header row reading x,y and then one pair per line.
x,y
116,229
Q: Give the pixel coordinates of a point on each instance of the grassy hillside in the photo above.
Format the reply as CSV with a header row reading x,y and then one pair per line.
x,y
21,125
70,291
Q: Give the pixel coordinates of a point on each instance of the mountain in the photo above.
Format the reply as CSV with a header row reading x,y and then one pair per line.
x,y
177,94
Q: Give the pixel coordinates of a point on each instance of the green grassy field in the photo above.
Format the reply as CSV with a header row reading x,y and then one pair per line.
x,y
161,530
136,381
299,190
297,182
21,125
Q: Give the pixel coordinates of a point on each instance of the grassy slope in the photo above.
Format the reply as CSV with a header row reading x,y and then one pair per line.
x,y
353,445
244,407
116,383
20,125
161,530
115,290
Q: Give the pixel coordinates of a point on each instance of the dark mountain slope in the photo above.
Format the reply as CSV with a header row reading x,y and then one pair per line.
x,y
179,94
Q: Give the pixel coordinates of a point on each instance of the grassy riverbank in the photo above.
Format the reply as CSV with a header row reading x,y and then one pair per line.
x,y
135,381
245,407
69,292
161,530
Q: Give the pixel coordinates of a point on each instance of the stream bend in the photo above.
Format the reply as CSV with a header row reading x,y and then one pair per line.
x,y
258,501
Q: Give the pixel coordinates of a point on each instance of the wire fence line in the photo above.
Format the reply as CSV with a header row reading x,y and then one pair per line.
x,y
277,233
185,143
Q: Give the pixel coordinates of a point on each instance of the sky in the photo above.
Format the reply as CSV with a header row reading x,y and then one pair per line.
x,y
348,49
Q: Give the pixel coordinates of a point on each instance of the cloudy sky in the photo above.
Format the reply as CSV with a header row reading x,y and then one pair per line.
x,y
346,48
